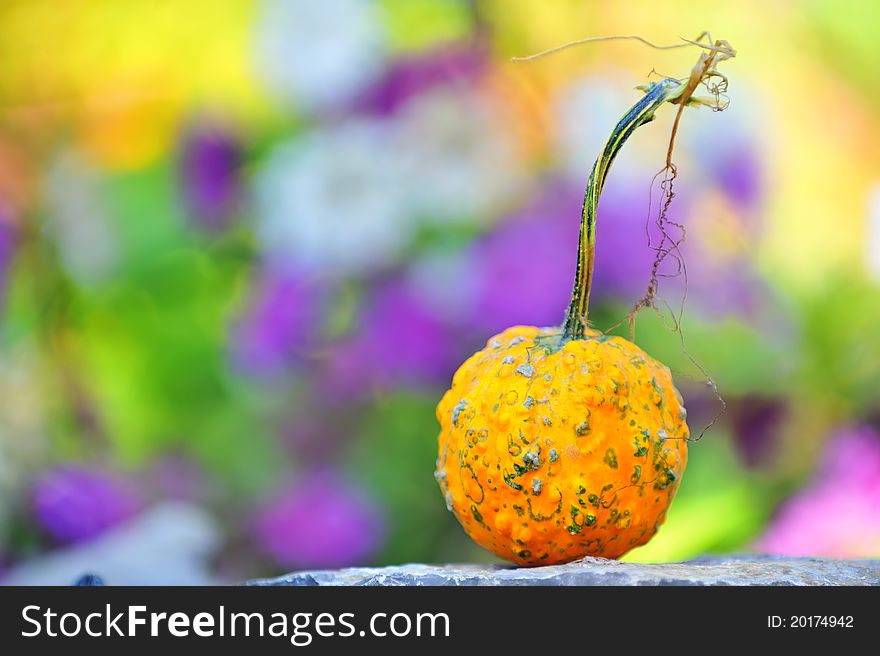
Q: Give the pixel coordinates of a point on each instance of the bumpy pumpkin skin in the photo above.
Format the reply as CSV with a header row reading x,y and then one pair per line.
x,y
552,450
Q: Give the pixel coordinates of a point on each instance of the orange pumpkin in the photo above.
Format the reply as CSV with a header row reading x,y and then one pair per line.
x,y
559,443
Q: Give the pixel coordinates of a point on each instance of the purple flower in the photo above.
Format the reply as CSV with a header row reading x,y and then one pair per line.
x,y
733,159
522,272
717,283
210,161
755,421
624,257
278,323
320,520
737,170
720,290
401,342
75,504
407,77
838,515
347,372
406,340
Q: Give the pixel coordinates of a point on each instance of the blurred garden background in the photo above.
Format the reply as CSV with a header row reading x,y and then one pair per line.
x,y
245,244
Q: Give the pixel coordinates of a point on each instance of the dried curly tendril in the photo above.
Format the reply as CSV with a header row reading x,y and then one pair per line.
x,y
672,90
642,112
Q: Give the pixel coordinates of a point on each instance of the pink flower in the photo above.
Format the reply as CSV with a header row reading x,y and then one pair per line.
x,y
838,515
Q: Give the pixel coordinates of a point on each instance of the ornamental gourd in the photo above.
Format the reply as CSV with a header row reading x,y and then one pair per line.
x,y
559,443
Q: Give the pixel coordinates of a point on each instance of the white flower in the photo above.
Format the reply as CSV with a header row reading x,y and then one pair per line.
x,y
739,125
586,112
77,219
171,543
350,197
319,53
332,199
443,279
461,162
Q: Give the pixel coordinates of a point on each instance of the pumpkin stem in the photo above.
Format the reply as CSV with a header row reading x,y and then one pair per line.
x,y
657,93
680,92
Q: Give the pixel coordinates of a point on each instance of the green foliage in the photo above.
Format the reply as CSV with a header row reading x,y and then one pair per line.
x,y
399,436
840,352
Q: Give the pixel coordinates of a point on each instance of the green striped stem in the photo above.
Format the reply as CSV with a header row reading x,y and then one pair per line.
x,y
642,112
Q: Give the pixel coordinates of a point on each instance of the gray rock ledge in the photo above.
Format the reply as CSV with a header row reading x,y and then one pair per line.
x,y
728,570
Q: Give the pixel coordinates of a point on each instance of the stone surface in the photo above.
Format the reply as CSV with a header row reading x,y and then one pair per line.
x,y
733,570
